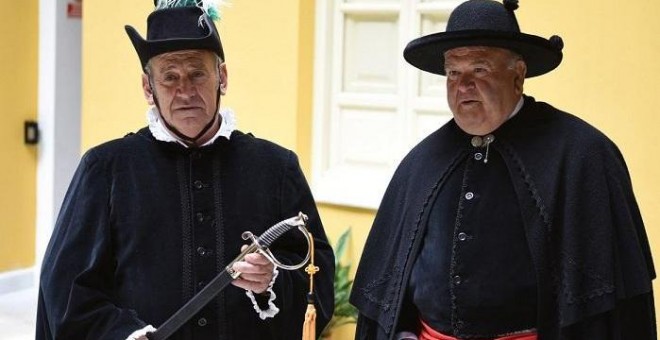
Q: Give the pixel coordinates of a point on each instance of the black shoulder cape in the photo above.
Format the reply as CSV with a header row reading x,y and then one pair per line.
x,y
584,229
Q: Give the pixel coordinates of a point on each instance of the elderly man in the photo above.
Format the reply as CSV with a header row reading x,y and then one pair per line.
x,y
514,220
151,218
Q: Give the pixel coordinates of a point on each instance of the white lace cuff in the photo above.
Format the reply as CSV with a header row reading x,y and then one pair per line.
x,y
272,309
141,332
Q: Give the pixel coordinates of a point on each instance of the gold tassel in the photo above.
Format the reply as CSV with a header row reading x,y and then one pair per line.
x,y
309,326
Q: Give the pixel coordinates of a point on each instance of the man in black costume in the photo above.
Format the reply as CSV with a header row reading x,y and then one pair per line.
x,y
515,220
151,218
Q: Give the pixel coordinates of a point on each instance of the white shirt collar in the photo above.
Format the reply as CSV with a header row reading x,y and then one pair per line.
x,y
521,101
161,133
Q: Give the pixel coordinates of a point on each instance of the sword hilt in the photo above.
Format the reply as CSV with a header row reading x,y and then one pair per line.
x,y
260,244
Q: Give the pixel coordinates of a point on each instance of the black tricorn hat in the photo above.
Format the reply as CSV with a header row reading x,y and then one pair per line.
x,y
176,29
485,23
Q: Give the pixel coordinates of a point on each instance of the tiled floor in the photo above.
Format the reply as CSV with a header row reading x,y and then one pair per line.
x,y
17,315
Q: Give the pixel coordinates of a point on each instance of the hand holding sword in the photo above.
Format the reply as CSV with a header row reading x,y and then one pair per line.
x,y
256,272
252,265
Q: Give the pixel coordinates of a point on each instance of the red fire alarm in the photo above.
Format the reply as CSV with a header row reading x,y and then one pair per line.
x,y
74,9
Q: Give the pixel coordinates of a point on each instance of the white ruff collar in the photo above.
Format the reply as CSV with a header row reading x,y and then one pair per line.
x,y
161,133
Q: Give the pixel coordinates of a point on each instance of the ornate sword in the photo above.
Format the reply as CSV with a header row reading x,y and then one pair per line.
x,y
224,278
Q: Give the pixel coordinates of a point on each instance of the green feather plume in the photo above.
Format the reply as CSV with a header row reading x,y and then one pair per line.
x,y
210,7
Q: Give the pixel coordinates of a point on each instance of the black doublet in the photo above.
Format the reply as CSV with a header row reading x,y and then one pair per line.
x,y
591,256
474,276
146,224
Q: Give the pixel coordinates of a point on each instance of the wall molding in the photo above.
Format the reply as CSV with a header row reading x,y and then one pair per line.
x,y
16,280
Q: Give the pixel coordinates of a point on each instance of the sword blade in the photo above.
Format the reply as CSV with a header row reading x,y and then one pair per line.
x,y
192,307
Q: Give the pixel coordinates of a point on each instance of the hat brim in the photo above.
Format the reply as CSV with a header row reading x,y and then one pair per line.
x,y
428,52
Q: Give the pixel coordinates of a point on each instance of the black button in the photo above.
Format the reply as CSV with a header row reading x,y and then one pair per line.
x,y
201,284
462,236
200,217
202,251
196,155
198,184
202,322
457,280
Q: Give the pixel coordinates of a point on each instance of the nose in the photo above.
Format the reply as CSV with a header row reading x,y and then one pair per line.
x,y
465,82
186,89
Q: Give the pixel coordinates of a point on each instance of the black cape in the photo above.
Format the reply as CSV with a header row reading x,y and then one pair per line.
x,y
145,224
584,230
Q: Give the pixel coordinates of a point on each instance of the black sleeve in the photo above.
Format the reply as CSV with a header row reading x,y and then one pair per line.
x,y
76,287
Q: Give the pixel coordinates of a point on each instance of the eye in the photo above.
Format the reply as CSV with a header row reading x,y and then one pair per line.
x,y
452,74
169,78
198,77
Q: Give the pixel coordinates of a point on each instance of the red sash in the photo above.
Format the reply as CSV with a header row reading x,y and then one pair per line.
x,y
428,333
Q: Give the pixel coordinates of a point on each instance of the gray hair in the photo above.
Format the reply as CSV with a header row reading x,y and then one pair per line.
x,y
514,58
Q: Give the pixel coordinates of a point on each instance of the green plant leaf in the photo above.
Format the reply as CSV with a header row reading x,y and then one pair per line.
x,y
340,248
344,313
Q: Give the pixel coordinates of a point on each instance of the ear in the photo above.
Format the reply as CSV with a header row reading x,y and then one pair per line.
x,y
146,88
222,71
519,80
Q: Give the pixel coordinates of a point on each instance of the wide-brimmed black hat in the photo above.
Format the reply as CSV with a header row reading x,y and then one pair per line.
x,y
485,23
176,29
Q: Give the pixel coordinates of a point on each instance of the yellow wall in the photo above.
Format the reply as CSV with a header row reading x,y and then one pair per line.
x,y
18,95
112,100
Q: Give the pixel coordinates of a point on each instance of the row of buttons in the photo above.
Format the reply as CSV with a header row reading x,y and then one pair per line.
x,y
200,218
463,236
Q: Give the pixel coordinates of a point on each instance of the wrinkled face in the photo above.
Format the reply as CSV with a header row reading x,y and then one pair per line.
x,y
185,84
484,85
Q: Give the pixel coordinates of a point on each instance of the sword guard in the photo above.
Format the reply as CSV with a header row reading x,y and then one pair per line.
x,y
298,221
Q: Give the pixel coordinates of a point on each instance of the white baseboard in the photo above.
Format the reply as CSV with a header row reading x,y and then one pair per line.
x,y
16,280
